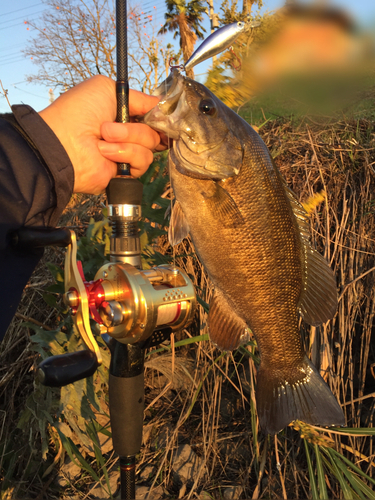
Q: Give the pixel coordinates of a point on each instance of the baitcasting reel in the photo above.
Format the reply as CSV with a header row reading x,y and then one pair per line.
x,y
126,303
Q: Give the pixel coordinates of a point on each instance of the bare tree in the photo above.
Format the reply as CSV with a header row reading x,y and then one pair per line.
x,y
148,57
76,39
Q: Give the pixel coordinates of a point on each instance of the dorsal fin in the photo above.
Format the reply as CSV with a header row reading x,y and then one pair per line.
x,y
318,301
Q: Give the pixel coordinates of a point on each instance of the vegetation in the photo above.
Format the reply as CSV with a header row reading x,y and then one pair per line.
x,y
184,19
231,11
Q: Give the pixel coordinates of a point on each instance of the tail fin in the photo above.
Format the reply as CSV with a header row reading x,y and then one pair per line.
x,y
300,395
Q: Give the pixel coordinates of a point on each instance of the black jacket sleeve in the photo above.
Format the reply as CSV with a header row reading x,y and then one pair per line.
x,y
36,182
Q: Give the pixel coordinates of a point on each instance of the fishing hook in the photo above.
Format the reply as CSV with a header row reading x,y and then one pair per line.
x,y
178,66
237,68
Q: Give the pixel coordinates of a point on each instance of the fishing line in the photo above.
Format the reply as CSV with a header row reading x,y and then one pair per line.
x,y
171,67
171,228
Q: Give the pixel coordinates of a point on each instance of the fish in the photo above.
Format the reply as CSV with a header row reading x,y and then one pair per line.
x,y
252,236
218,41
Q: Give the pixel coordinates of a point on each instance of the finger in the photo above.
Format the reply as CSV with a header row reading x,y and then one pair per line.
x,y
137,172
140,103
135,133
161,147
136,155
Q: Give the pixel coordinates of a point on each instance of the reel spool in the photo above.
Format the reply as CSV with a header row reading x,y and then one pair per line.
x,y
135,302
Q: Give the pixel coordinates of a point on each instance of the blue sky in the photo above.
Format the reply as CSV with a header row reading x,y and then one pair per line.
x,y
14,37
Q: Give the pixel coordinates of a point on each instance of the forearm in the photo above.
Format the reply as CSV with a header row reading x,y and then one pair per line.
x,y
37,176
36,183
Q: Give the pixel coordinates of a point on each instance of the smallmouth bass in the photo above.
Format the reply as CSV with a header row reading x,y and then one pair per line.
x,y
252,236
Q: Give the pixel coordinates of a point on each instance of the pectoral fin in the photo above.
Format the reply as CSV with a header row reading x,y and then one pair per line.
x,y
227,330
178,226
318,301
222,205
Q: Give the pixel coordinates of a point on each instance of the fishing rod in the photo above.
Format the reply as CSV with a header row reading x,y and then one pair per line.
x,y
126,374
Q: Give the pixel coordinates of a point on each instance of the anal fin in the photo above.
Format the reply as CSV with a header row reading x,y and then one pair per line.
x,y
227,330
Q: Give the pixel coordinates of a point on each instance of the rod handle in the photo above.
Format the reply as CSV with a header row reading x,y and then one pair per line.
x,y
126,405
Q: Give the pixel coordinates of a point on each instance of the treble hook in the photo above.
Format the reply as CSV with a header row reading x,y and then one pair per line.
x,y
178,66
237,68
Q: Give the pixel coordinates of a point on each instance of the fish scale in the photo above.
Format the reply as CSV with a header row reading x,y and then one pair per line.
x,y
251,234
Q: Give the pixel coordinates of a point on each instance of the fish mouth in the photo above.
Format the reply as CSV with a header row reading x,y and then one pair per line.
x,y
173,91
159,117
163,118
169,84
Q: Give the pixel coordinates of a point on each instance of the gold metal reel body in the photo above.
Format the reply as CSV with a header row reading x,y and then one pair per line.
x,y
142,300
127,303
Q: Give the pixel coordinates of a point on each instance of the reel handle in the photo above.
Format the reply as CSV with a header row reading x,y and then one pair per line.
x,y
64,369
58,371
27,238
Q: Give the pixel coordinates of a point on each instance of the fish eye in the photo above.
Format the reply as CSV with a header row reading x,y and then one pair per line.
x,y
207,107
240,24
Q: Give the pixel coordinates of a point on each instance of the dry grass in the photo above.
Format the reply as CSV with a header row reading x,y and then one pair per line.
x,y
206,399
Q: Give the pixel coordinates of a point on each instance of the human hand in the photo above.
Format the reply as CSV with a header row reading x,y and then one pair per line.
x,y
83,120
